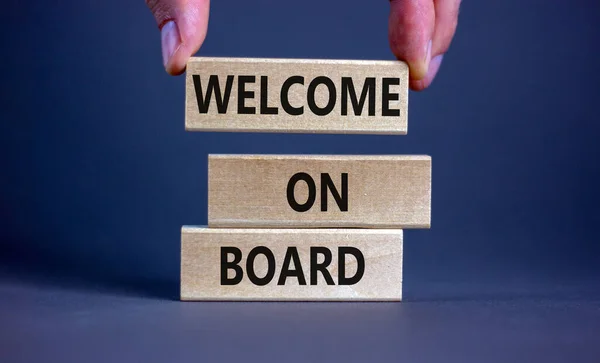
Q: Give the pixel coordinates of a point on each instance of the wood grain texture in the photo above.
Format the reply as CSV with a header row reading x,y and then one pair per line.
x,y
201,273
382,191
384,113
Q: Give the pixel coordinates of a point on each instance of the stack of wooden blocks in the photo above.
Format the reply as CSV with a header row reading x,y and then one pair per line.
x,y
302,227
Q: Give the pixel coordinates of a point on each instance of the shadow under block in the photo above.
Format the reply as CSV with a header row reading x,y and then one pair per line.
x,y
291,264
296,95
310,191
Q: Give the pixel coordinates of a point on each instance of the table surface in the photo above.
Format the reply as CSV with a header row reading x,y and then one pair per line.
x,y
53,320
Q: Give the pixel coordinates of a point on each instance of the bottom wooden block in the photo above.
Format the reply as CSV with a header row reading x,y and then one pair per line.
x,y
291,264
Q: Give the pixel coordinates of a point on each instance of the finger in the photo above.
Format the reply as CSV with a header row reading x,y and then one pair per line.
x,y
411,28
446,20
434,66
183,25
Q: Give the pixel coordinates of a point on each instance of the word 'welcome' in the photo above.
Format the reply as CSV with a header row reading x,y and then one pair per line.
x,y
220,90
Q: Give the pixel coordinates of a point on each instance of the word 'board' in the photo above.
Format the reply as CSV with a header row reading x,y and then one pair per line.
x,y
291,264
288,95
309,191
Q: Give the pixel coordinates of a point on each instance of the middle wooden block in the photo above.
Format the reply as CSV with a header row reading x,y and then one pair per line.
x,y
309,191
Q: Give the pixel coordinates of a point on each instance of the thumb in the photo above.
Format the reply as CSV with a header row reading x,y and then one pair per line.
x,y
182,25
411,27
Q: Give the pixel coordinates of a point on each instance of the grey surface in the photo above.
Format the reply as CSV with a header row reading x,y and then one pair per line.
x,y
544,321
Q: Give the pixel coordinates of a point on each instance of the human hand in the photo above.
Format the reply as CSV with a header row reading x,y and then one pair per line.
x,y
420,32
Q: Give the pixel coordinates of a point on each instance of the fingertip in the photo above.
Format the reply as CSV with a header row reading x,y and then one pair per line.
x,y
417,85
183,26
174,69
434,66
171,45
177,63
420,67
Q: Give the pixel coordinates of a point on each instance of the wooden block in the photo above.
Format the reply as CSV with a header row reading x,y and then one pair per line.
x,y
309,191
304,96
291,264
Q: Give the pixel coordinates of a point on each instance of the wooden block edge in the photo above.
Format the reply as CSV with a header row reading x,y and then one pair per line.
x,y
397,63
391,132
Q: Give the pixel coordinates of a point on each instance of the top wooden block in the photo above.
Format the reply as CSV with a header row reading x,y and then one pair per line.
x,y
296,95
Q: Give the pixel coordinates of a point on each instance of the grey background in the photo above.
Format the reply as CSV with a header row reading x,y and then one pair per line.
x,y
98,175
